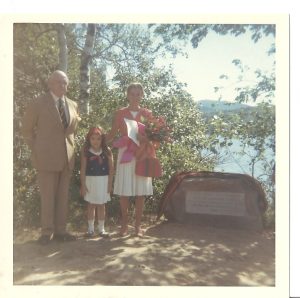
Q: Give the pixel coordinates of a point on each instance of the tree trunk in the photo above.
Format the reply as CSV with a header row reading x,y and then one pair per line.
x,y
63,48
86,58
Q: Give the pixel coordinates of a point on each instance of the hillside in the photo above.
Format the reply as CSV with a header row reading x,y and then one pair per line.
x,y
214,106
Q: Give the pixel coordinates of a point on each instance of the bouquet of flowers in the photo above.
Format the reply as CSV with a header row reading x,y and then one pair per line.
x,y
157,130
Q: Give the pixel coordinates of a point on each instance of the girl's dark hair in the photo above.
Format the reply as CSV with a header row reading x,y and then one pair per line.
x,y
96,130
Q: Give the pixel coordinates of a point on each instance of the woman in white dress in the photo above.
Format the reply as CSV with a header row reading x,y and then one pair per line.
x,y
127,183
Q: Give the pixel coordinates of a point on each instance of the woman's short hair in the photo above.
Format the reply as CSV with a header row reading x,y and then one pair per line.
x,y
135,86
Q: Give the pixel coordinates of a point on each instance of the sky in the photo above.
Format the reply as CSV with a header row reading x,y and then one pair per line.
x,y
213,57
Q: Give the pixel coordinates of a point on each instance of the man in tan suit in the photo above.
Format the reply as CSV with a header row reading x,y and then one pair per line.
x,y
48,127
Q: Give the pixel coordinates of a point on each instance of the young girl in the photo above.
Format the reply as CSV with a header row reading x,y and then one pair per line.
x,y
96,178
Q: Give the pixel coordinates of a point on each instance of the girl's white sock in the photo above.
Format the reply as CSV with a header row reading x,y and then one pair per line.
x,y
101,226
91,225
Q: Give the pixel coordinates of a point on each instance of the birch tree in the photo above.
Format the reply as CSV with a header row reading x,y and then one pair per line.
x,y
63,48
86,58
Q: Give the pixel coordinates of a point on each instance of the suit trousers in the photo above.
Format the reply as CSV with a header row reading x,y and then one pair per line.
x,y
54,191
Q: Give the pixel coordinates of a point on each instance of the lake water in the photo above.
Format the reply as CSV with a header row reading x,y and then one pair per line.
x,y
232,162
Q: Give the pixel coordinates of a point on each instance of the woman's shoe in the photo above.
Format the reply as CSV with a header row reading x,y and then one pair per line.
x,y
139,232
123,232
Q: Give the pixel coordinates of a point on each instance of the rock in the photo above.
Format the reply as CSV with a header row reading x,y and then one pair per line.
x,y
214,199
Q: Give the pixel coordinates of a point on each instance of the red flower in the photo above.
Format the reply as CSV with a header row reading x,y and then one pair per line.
x,y
156,130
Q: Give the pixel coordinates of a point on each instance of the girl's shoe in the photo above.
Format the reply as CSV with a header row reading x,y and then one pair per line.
x,y
90,234
104,234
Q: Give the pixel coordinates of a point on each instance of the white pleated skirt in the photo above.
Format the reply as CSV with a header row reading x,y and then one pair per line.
x,y
127,183
97,189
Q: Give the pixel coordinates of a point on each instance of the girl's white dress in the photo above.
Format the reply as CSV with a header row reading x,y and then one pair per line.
x,y
97,187
127,183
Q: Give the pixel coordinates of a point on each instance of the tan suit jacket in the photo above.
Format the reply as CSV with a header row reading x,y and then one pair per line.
x,y
51,144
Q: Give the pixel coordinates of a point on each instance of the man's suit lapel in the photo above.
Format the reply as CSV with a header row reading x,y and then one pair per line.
x,y
72,111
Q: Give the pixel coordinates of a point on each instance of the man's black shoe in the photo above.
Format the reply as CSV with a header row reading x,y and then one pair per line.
x,y
44,239
64,237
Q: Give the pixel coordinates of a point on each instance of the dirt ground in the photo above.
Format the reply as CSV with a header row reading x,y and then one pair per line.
x,y
169,254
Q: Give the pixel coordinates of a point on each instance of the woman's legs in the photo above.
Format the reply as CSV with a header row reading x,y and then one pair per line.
x,y
124,204
139,207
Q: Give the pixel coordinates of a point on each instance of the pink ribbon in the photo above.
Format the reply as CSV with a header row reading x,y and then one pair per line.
x,y
131,147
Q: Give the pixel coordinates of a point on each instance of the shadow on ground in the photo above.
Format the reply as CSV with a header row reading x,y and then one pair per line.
x,y
169,254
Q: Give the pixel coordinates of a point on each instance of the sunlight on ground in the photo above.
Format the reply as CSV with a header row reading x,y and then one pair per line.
x,y
169,254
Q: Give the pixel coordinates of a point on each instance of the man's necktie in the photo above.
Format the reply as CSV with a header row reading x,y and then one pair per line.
x,y
62,113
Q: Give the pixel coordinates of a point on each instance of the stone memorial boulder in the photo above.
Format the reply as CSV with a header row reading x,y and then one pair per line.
x,y
215,199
